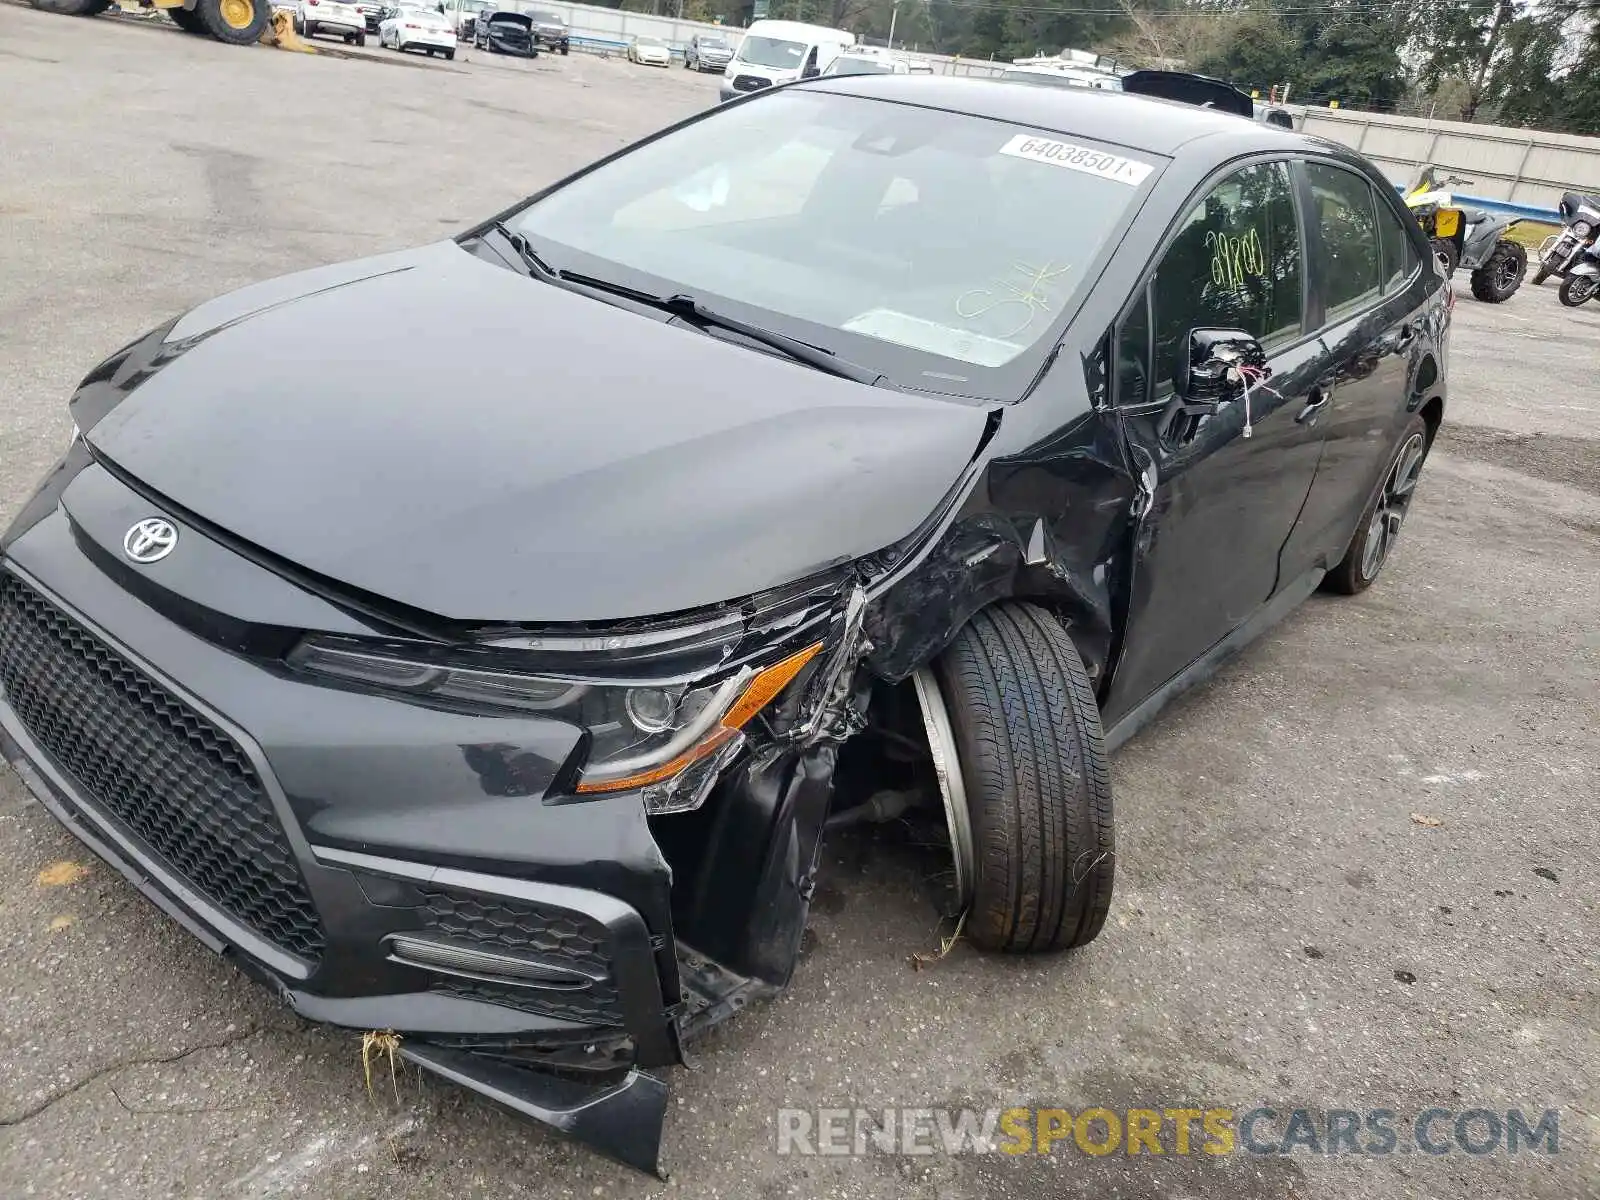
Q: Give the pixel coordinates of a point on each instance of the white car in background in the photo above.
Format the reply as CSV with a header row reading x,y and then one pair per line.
x,y
334,17
409,28
867,60
649,51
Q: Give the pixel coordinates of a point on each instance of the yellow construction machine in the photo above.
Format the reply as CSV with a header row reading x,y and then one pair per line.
x,y
240,22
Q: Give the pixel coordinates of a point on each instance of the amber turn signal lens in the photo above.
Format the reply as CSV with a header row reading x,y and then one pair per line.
x,y
756,696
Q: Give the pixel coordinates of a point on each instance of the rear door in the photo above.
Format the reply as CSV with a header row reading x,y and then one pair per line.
x,y
1220,503
1369,292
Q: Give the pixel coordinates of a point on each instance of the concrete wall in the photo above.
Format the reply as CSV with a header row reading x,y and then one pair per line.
x,y
1519,166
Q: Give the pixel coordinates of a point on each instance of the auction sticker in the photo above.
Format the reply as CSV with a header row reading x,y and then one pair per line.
x,y
1078,158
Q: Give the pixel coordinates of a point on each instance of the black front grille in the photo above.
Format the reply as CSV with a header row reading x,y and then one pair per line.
x,y
750,83
157,767
564,937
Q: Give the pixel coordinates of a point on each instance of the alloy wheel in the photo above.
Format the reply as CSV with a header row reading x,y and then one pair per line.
x,y
1393,504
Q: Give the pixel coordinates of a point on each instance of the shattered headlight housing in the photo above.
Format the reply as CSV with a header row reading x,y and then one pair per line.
x,y
666,739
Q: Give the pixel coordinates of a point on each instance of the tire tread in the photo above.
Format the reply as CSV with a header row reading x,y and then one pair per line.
x,y
1038,786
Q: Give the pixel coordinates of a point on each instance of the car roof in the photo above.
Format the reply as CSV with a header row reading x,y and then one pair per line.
x,y
1138,122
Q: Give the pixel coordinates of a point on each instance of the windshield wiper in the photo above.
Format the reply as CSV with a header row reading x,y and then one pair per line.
x,y
690,310
526,252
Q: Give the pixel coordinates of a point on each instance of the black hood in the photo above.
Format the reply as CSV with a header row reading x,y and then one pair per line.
x,y
453,436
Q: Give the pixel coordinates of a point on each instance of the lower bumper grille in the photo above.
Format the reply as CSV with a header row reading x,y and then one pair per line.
x,y
750,83
158,768
524,927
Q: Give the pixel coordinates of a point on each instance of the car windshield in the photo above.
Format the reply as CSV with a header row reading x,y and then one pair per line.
x,y
548,18
934,247
859,66
713,43
648,42
772,52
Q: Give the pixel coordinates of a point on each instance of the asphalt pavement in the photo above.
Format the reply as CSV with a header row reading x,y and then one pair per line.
x,y
1356,871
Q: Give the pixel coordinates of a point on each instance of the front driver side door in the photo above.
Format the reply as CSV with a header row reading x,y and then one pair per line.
x,y
1220,502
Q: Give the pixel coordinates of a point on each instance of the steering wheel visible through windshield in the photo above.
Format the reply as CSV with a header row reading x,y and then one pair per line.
x,y
935,247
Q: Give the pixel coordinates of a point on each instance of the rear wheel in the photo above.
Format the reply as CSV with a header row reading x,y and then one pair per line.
x,y
1498,279
73,8
1445,251
449,56
1385,513
1577,289
1025,730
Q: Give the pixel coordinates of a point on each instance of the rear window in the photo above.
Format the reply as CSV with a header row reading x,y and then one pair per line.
x,y
938,247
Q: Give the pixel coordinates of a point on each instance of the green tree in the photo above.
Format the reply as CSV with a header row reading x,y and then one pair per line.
x,y
1356,63
1255,49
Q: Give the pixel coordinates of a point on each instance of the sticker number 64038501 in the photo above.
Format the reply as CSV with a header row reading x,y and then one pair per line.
x,y
1078,158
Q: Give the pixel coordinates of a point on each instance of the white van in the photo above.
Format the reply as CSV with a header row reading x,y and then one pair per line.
x,y
780,52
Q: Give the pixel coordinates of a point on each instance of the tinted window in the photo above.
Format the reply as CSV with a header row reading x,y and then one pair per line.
x,y
1400,257
1235,264
1348,261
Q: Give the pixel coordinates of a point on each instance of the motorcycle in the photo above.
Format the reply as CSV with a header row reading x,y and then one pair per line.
x,y
1583,277
1468,237
1580,219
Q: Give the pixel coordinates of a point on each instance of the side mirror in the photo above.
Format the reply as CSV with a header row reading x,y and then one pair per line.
x,y
811,71
1207,373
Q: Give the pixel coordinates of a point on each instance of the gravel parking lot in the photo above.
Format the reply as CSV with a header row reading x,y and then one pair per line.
x,y
1357,871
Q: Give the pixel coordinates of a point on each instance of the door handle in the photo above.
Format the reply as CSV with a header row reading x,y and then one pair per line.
x,y
1321,397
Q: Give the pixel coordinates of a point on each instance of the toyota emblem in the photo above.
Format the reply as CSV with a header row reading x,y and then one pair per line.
x,y
151,540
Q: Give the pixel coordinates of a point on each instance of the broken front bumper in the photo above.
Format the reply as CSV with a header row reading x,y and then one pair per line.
x,y
385,864
381,867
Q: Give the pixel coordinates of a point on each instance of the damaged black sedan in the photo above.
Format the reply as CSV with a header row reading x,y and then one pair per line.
x,y
898,446
505,31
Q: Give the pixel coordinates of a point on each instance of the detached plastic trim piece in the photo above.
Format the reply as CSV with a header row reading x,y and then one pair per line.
x,y
622,1121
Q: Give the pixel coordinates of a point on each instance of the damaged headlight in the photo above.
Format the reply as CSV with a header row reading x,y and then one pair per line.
x,y
668,740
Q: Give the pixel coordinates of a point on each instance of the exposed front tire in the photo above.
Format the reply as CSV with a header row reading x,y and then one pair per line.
x,y
1026,731
1577,289
1385,513
1541,274
449,56
1498,279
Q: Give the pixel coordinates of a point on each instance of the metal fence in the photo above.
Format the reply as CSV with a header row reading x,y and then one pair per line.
x,y
1523,171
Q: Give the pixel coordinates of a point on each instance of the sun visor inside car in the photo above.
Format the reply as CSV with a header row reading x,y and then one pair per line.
x,y
1201,90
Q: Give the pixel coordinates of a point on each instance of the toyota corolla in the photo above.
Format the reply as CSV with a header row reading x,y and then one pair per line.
x,y
898,447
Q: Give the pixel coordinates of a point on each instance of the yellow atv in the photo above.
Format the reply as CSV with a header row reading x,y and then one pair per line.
x,y
1468,237
239,22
